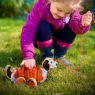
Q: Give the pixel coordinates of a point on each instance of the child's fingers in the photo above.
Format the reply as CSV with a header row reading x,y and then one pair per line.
x,y
88,14
27,64
22,63
32,64
88,19
86,22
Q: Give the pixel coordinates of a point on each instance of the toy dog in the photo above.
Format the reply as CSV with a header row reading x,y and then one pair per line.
x,y
30,76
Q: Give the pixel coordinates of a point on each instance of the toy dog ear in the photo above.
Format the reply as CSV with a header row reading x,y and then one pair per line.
x,y
46,65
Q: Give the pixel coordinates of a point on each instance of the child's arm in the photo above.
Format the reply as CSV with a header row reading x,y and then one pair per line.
x,y
28,33
76,23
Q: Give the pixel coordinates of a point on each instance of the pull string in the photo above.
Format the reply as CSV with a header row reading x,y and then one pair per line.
x,y
82,52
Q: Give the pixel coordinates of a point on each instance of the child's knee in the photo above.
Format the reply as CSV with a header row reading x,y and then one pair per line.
x,y
44,31
44,27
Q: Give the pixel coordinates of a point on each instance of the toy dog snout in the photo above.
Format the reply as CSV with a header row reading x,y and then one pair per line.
x,y
53,64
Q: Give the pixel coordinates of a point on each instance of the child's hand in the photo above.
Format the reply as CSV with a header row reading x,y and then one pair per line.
x,y
29,63
86,19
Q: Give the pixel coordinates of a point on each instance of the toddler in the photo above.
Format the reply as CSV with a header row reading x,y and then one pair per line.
x,y
52,24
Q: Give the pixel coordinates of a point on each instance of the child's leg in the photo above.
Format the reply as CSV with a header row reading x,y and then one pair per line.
x,y
44,39
64,40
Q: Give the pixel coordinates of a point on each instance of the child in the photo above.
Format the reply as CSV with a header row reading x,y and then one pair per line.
x,y
52,24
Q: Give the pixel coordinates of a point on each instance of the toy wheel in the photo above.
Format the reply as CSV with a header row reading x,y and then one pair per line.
x,y
8,70
32,82
20,80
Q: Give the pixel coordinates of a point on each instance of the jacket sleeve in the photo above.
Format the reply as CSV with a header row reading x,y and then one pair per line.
x,y
29,32
75,23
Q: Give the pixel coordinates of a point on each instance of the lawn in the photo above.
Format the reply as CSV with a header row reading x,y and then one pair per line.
x,y
60,81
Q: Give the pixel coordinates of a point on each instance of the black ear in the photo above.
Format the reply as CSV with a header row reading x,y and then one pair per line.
x,y
46,65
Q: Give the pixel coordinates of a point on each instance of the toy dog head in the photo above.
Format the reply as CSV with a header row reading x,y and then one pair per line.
x,y
49,63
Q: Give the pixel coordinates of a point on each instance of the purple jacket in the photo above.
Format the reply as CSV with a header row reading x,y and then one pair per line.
x,y
40,11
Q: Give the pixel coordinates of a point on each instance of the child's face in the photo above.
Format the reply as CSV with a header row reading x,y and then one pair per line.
x,y
60,9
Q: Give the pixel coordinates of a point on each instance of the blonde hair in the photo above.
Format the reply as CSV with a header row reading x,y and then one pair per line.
x,y
75,4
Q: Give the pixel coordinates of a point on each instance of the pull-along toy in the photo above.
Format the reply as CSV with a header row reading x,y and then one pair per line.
x,y
30,76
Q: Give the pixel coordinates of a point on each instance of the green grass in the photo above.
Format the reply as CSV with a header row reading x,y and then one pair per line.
x,y
60,81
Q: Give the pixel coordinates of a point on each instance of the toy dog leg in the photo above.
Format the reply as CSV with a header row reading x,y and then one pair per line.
x,y
20,80
18,77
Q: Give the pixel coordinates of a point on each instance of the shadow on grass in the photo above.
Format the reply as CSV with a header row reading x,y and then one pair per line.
x,y
88,75
14,58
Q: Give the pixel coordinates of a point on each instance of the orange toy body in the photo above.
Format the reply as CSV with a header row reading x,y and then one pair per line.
x,y
26,73
34,72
